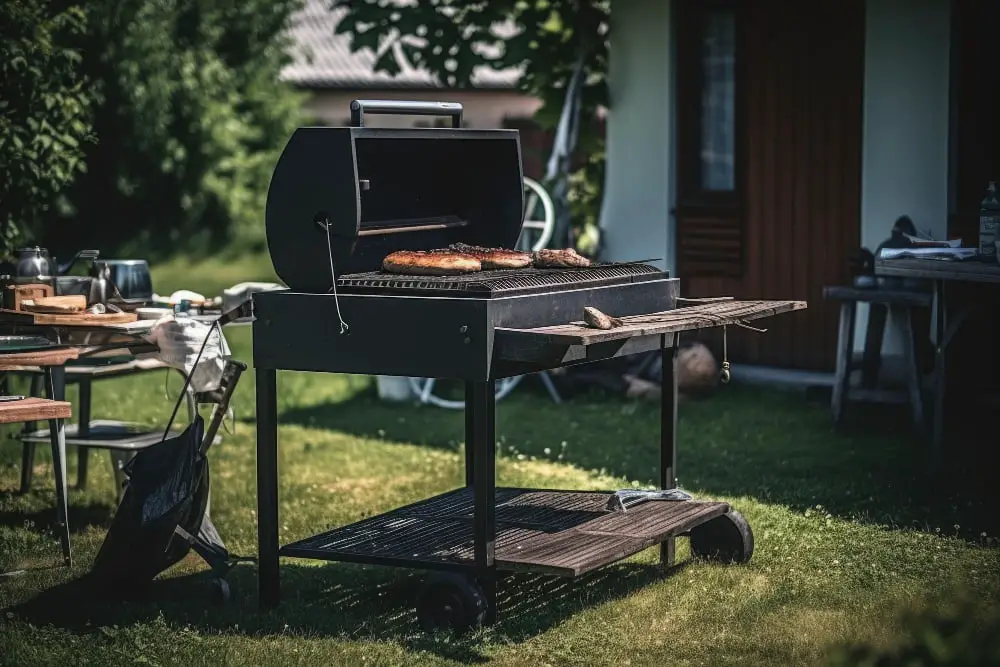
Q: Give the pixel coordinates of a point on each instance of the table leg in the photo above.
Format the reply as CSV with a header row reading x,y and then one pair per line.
x,y
28,448
940,349
668,430
483,409
56,380
83,431
269,584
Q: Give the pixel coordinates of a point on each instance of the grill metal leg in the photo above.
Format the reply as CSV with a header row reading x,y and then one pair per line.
x,y
268,582
668,430
482,409
470,433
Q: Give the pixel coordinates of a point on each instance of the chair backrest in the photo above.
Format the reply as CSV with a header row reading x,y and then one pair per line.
x,y
536,197
220,398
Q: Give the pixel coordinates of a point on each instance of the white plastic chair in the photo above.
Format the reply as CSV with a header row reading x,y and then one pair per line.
x,y
535,235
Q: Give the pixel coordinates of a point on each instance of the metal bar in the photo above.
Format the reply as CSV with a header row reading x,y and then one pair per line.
x,y
668,430
483,407
470,433
268,581
387,561
940,349
83,431
55,379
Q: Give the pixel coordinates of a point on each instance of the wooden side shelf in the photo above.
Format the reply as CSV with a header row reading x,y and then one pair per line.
x,y
34,409
701,316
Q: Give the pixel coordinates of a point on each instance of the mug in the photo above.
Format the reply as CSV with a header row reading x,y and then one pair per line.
x,y
131,277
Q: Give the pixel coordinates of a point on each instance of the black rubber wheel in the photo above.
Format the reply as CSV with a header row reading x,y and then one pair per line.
x,y
726,539
220,591
451,602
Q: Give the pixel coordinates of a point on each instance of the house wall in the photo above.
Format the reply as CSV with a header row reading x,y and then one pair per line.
x,y
903,161
906,123
639,185
484,109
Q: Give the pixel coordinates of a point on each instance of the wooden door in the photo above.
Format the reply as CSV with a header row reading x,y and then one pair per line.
x,y
769,96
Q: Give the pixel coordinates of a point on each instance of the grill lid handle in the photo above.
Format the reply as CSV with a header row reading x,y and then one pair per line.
x,y
404,108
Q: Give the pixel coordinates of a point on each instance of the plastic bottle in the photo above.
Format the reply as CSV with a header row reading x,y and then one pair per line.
x,y
989,222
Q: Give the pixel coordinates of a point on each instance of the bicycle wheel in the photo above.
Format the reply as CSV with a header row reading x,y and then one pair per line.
x,y
424,388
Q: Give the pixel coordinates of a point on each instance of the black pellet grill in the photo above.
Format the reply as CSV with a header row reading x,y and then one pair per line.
x,y
341,199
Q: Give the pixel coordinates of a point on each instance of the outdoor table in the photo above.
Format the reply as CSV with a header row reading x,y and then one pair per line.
x,y
943,275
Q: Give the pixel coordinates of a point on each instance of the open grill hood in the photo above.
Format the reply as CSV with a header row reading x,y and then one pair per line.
x,y
382,190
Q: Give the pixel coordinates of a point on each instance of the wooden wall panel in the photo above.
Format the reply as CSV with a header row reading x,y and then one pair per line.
x,y
803,120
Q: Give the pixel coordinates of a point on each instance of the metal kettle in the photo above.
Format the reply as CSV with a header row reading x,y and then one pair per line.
x,y
100,283
33,263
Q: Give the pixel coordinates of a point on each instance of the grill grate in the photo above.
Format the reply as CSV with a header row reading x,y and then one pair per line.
x,y
503,282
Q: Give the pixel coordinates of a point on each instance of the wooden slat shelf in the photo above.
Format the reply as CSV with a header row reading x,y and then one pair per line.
x,y
565,533
701,316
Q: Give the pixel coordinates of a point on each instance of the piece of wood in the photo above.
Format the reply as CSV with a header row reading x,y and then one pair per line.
x,y
30,291
702,316
72,303
34,409
51,357
69,320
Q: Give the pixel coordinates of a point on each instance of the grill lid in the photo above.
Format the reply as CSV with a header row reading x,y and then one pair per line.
x,y
359,193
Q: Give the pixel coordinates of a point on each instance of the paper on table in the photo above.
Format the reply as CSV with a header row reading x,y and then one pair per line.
x,y
929,253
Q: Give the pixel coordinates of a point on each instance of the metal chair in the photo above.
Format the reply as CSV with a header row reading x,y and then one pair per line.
x,y
54,409
535,235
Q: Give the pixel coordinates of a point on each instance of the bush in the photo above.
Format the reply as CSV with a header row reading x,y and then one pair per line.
x,y
46,106
191,121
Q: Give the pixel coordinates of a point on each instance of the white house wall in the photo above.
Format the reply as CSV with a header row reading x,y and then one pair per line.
x,y
906,111
635,217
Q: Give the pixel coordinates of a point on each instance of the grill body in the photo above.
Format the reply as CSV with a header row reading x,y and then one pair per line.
x,y
444,333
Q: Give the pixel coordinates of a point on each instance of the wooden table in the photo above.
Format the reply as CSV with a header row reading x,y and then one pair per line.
x,y
53,409
943,274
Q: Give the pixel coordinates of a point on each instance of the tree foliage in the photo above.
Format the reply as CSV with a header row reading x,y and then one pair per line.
x,y
543,38
190,122
45,111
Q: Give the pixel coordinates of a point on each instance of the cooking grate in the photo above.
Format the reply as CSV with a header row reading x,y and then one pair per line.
x,y
503,282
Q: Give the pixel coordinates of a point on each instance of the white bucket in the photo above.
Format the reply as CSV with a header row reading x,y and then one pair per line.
x,y
394,388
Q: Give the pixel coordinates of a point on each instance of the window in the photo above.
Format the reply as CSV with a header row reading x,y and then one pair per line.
x,y
718,102
709,211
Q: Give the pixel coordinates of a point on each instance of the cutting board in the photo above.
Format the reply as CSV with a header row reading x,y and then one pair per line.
x,y
74,319
57,305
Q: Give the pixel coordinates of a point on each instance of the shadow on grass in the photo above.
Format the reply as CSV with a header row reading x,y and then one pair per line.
x,y
778,447
346,601
81,517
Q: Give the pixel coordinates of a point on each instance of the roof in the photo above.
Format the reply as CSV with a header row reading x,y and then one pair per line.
x,y
323,59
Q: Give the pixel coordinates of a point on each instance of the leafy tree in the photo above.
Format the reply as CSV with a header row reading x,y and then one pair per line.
x,y
45,112
545,38
190,123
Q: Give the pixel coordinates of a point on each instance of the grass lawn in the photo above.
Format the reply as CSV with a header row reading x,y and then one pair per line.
x,y
851,534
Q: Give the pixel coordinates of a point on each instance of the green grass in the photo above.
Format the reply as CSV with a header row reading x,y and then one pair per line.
x,y
851,534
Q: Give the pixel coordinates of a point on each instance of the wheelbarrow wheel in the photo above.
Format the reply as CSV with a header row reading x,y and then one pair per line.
x,y
726,539
220,591
451,602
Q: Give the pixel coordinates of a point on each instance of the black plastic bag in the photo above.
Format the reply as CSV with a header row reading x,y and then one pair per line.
x,y
167,490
